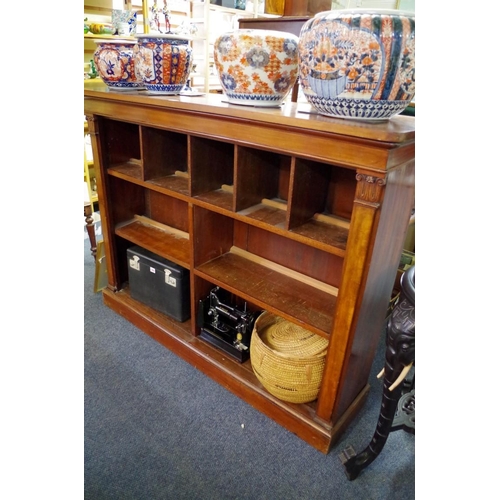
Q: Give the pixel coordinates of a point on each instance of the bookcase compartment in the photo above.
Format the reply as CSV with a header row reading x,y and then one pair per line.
x,y
321,204
212,171
295,281
165,159
202,289
152,220
122,147
262,185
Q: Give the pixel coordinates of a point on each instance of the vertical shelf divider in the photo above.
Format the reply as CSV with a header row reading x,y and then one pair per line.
x,y
212,235
155,151
308,191
255,177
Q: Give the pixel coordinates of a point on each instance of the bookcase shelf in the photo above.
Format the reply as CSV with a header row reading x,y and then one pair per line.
x,y
160,239
278,292
129,169
176,182
292,213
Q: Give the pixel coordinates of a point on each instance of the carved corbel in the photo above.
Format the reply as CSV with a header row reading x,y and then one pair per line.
x,y
369,189
92,124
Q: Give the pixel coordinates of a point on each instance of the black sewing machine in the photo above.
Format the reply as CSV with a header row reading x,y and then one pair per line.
x,y
224,325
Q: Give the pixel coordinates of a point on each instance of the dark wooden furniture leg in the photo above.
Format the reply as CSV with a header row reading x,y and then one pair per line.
x,y
89,222
399,354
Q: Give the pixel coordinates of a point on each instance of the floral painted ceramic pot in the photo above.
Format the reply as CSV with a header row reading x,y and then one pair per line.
x,y
164,62
114,60
358,63
256,67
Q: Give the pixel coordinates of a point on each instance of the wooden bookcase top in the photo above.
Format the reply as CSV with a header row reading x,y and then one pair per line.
x,y
291,115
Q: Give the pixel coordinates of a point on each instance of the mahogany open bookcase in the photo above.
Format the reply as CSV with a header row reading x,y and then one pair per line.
x,y
292,212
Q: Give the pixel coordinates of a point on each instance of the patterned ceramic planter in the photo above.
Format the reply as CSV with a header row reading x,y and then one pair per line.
x,y
358,63
164,62
256,67
114,60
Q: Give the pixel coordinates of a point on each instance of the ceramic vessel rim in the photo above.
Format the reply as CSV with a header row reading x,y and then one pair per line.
x,y
366,10
117,41
280,34
165,36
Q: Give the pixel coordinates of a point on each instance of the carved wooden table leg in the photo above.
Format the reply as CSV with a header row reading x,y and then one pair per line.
x,y
89,221
399,358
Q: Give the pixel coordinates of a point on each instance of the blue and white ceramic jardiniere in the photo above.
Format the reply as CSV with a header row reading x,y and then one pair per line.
x,y
114,60
358,63
163,61
256,67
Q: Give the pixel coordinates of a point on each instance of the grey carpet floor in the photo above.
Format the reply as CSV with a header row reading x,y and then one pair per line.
x,y
158,429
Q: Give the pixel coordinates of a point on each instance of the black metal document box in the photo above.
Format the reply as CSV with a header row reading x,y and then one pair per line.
x,y
158,283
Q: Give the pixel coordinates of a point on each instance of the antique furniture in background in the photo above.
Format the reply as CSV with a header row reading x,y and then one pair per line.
x,y
398,400
89,224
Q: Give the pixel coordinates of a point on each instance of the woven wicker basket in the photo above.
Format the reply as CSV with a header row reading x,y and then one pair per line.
x,y
287,359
